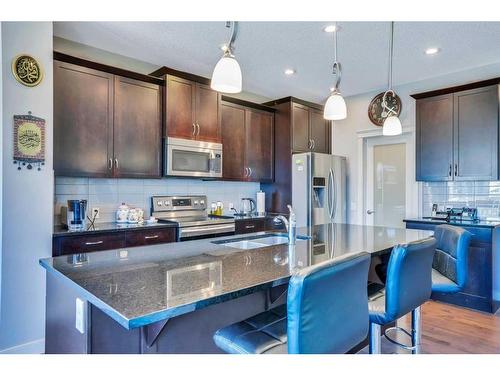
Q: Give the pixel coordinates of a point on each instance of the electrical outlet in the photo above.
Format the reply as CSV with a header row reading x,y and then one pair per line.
x,y
231,205
95,212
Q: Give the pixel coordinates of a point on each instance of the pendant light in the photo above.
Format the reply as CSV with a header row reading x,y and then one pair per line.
x,y
335,107
392,124
226,77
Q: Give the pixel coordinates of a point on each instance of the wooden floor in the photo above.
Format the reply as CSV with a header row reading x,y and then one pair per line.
x,y
451,329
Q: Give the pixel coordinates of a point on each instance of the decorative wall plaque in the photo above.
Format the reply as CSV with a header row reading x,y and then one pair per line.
x,y
27,70
29,141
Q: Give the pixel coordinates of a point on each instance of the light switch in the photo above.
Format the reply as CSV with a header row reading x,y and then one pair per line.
x,y
80,315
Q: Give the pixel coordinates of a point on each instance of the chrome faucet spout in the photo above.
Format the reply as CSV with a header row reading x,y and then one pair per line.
x,y
290,224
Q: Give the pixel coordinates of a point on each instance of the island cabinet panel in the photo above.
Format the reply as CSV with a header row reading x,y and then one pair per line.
x,y
83,121
191,110
457,136
250,225
247,141
105,125
476,134
477,293
137,129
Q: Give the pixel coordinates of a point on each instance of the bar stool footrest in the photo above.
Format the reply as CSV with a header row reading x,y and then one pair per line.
x,y
393,341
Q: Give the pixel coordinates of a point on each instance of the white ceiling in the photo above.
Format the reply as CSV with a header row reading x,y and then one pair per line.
x,y
265,49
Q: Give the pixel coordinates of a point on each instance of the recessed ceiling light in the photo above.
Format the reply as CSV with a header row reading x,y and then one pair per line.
x,y
331,28
289,72
432,51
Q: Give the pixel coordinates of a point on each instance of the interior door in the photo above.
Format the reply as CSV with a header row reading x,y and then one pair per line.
x,y
83,121
434,138
476,134
180,108
233,142
207,114
137,129
259,145
319,132
300,128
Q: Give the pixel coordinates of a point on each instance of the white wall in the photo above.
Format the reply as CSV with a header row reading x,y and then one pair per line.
x,y
27,195
345,132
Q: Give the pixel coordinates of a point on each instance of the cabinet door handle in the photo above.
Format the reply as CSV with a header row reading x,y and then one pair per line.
x,y
313,143
194,129
309,144
249,226
249,171
456,169
110,163
449,171
198,126
151,237
246,172
94,243
116,163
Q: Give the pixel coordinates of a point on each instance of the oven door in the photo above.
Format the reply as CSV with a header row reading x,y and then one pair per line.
x,y
187,158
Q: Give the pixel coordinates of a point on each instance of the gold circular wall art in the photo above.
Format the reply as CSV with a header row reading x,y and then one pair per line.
x,y
27,70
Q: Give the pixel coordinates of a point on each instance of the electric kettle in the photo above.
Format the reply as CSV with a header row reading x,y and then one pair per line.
x,y
248,206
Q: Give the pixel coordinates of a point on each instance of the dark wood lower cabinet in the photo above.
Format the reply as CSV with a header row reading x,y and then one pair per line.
x,y
258,224
85,243
477,293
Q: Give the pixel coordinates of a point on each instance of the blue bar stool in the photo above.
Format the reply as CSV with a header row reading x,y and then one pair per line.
x,y
326,312
449,269
408,286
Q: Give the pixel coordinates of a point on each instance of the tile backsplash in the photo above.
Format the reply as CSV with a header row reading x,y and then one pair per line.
x,y
484,195
108,193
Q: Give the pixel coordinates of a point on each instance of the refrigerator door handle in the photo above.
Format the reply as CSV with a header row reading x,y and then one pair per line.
x,y
334,208
330,193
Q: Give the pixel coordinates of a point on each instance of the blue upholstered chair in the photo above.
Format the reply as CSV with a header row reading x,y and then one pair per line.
x,y
326,312
449,273
408,286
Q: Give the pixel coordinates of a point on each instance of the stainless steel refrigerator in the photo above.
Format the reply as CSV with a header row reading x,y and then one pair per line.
x,y
319,188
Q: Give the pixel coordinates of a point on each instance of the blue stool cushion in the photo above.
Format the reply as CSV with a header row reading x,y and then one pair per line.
x,y
264,333
408,283
327,313
450,259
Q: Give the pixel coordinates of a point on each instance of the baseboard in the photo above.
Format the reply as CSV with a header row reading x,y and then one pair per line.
x,y
32,347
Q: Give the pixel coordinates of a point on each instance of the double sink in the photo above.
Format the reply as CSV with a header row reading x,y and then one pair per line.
x,y
256,242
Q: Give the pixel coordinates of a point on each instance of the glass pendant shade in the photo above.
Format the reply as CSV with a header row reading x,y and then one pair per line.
x,y
392,126
335,107
226,77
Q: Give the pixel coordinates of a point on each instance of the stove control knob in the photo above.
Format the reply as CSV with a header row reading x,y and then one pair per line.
x,y
195,203
159,203
167,203
202,202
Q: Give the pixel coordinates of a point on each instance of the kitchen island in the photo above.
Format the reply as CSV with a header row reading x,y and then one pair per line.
x,y
171,298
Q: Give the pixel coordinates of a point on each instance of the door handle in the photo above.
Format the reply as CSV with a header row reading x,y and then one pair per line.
x,y
313,142
194,129
309,144
456,169
198,126
249,171
369,212
93,243
449,171
110,163
116,163
246,172
151,237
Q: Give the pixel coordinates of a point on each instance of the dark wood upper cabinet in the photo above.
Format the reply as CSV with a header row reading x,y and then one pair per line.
x,y
180,107
476,134
192,110
83,121
247,141
300,128
457,136
233,141
319,131
434,138
137,129
259,145
105,125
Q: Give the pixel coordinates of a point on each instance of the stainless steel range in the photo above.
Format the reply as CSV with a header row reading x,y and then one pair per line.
x,y
190,214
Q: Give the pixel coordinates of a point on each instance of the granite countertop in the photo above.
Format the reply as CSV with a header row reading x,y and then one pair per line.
x,y
142,285
101,228
478,223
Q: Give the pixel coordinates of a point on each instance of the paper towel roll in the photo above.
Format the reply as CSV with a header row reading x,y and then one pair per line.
x,y
261,202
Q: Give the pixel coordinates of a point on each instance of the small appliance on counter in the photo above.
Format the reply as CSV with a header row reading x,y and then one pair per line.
x,y
74,215
127,215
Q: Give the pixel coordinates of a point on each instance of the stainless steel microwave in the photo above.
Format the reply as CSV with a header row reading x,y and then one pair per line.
x,y
189,158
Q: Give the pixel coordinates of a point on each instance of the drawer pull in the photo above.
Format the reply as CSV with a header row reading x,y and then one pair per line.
x,y
94,243
151,237
249,226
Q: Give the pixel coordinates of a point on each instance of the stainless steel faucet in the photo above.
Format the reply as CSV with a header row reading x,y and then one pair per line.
x,y
290,224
